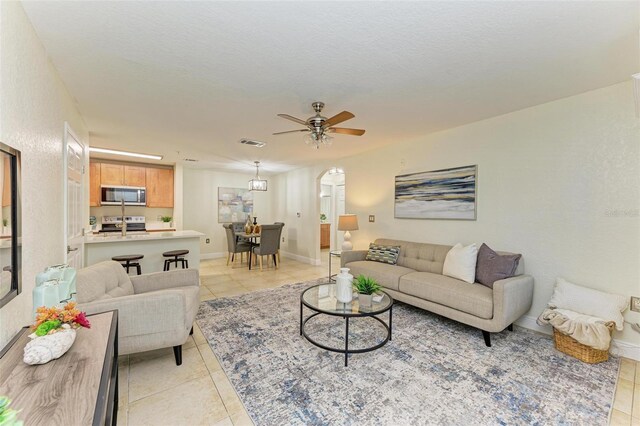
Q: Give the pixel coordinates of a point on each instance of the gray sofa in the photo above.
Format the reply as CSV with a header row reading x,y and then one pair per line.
x,y
417,279
154,310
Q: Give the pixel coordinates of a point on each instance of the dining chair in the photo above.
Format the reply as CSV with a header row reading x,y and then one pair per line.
x,y
269,237
233,245
279,238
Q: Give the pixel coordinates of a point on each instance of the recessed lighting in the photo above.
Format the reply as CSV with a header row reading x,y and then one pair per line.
x,y
125,153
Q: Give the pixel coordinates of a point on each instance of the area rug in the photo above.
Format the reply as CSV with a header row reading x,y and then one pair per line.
x,y
434,371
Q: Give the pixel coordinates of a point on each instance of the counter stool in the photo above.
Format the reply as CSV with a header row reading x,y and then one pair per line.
x,y
177,256
129,261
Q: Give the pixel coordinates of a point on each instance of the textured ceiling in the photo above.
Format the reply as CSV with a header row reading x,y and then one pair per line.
x,y
195,77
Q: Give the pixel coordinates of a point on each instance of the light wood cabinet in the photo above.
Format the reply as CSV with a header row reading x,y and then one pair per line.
x,y
111,174
159,187
94,184
325,235
134,176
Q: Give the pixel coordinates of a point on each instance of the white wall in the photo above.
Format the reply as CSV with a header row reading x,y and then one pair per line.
x,y
559,183
34,105
200,205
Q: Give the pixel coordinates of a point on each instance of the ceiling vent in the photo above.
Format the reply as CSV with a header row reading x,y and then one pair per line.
x,y
250,142
192,160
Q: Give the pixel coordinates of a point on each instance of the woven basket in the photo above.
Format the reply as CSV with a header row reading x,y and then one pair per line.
x,y
584,353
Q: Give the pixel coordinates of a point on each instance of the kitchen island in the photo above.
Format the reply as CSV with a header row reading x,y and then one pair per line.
x,y
104,246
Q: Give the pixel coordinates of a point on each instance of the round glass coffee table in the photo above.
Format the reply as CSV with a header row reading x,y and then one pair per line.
x,y
322,300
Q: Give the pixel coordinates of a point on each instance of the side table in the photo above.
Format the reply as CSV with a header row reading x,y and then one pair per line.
x,y
334,253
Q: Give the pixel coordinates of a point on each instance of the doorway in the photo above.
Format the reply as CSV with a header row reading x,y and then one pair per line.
x,y
332,205
73,170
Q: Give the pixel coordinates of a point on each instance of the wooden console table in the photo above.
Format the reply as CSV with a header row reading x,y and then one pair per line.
x,y
79,388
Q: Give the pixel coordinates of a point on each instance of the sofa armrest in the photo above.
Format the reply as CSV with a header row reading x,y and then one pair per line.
x,y
512,298
352,256
165,280
150,313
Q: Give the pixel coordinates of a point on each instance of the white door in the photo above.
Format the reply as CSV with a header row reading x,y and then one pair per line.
x,y
340,209
74,160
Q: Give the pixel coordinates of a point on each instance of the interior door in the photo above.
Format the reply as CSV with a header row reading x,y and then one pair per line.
x,y
340,210
74,161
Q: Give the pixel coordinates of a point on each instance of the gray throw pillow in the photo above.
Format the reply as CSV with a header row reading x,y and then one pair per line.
x,y
383,254
492,266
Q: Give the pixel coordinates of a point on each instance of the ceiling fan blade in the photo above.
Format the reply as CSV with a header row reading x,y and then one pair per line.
x,y
297,120
338,118
292,131
342,130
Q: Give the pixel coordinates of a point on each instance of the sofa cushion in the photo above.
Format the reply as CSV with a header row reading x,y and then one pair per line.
x,y
383,254
460,262
422,257
473,299
103,280
386,275
492,266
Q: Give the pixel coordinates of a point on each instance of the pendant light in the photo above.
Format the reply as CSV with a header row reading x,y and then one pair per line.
x,y
257,184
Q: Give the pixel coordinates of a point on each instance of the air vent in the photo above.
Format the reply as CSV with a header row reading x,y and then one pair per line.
x,y
192,160
249,142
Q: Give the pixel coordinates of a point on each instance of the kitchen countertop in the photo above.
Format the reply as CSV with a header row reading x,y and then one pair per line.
x,y
93,239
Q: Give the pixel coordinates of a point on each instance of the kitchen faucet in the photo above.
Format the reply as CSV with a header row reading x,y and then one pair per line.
x,y
123,224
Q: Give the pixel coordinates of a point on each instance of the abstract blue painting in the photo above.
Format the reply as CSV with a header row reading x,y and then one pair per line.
x,y
439,194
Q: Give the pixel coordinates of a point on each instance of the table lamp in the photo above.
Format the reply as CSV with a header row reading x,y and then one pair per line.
x,y
347,222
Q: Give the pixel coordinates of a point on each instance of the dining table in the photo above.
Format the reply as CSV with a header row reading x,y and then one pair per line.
x,y
253,241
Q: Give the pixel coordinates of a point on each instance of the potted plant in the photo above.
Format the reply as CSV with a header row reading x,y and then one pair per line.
x,y
8,416
167,221
323,217
5,226
366,287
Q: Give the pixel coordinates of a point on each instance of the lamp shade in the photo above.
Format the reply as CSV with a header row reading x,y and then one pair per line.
x,y
348,222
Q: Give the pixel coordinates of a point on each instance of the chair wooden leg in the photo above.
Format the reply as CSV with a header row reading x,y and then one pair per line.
x,y
260,263
228,258
278,255
275,262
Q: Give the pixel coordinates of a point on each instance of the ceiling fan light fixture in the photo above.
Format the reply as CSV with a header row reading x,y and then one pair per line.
x,y
257,184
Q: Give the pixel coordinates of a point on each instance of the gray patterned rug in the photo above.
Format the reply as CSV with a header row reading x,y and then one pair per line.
x,y
435,371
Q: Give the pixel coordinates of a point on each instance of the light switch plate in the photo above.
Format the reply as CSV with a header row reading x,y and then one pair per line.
x,y
635,304
372,218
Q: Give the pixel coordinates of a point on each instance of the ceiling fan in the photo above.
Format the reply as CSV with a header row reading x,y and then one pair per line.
x,y
319,127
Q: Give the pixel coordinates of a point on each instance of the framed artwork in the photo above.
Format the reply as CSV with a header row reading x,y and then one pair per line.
x,y
234,204
438,194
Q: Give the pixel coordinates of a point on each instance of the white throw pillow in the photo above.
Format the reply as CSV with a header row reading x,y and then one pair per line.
x,y
588,301
460,262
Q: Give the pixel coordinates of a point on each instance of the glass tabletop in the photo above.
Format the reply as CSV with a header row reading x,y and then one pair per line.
x,y
322,298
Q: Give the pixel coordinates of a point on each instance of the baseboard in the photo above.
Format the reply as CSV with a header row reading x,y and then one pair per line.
x,y
204,256
618,347
303,259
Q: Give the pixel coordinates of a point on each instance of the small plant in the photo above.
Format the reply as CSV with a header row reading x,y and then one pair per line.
x,y
8,416
366,285
5,222
323,217
166,219
50,320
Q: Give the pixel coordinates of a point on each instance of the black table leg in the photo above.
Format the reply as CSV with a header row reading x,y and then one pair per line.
x,y
250,253
390,319
346,343
301,318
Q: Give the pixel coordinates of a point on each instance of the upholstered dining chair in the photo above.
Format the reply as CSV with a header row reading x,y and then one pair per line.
x,y
233,245
279,238
269,237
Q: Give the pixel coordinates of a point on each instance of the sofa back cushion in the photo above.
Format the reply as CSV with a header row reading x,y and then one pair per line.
x,y
103,280
423,257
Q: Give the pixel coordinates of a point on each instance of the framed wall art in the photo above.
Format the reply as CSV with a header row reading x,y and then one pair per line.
x,y
438,194
234,204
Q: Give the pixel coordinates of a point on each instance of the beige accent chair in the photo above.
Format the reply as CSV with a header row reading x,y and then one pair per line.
x,y
155,310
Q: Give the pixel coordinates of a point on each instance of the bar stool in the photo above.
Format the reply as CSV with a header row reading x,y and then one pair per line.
x,y
129,261
177,256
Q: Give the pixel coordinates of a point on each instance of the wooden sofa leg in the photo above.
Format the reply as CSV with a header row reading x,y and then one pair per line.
x,y
487,338
510,327
177,352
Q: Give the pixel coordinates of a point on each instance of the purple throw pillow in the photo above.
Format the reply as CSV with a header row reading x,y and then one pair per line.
x,y
492,266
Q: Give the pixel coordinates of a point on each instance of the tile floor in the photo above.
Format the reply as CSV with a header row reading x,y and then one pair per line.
x,y
153,391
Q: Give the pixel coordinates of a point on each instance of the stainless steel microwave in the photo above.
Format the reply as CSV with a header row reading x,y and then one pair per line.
x,y
132,195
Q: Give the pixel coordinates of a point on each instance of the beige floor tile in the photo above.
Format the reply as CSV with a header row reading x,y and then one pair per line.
x,y
226,422
209,297
635,412
624,396
209,358
619,418
190,343
227,393
224,286
123,383
122,416
198,337
195,402
233,292
157,374
241,419
204,291
638,372
635,421
627,369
